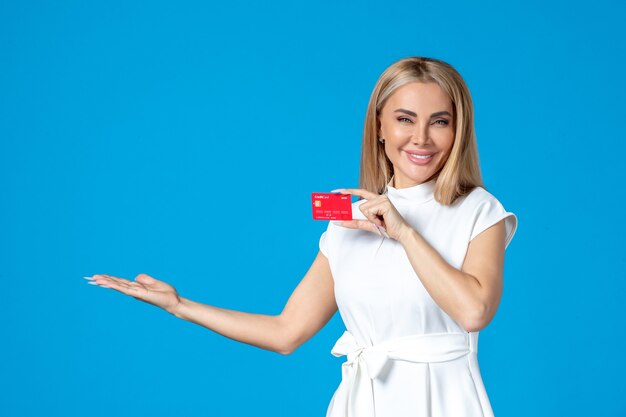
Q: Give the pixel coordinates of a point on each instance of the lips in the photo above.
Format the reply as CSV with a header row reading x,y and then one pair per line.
x,y
420,152
420,158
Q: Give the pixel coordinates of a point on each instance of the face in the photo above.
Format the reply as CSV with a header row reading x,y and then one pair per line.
x,y
417,120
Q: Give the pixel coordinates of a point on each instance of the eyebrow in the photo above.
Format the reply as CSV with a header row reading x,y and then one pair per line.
x,y
410,113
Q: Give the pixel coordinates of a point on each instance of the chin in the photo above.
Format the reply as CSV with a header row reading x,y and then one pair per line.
x,y
417,172
417,178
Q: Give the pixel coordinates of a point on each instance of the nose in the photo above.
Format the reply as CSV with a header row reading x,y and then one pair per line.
x,y
420,134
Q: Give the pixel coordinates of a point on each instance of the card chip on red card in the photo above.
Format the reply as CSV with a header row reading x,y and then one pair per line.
x,y
332,206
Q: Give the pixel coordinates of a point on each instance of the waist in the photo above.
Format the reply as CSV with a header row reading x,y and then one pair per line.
x,y
355,395
432,347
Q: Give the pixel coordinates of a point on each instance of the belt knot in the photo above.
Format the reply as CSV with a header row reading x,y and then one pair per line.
x,y
355,395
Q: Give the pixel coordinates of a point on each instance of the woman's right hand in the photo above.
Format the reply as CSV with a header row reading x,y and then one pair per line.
x,y
144,288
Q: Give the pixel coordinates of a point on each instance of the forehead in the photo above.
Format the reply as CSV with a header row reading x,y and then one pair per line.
x,y
417,95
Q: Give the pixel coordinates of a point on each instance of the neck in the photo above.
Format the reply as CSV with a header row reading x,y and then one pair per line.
x,y
394,182
418,193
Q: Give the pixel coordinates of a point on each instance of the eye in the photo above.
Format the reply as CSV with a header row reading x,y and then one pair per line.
x,y
404,118
445,122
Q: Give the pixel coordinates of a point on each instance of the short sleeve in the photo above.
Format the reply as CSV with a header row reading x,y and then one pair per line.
x,y
323,244
489,212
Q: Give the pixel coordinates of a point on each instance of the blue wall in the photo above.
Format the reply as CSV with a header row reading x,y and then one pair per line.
x,y
134,137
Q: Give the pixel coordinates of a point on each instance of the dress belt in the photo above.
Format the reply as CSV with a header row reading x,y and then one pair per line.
x,y
363,364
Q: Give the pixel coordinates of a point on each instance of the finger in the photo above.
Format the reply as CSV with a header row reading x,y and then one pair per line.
x,y
145,279
112,282
351,224
117,279
382,231
373,217
124,288
360,224
152,283
94,281
358,191
370,211
99,279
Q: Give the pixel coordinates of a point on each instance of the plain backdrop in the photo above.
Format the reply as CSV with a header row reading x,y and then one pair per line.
x,y
183,140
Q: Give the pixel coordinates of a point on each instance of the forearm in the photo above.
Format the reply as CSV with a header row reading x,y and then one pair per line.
x,y
263,331
456,292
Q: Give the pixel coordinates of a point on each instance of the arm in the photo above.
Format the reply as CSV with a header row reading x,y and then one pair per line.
x,y
309,308
260,330
472,294
311,305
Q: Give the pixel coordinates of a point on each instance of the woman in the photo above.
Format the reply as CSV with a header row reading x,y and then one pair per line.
x,y
415,276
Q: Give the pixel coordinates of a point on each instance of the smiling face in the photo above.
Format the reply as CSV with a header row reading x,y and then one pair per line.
x,y
417,120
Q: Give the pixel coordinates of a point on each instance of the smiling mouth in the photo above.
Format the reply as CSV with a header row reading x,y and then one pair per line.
x,y
420,159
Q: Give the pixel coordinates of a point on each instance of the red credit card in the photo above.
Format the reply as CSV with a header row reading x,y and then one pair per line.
x,y
332,206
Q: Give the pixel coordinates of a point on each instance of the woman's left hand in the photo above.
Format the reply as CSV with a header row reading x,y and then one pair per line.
x,y
382,216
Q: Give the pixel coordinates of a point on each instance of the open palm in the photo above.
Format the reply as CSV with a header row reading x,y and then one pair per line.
x,y
144,288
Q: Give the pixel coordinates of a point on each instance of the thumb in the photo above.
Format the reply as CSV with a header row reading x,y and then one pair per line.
x,y
145,279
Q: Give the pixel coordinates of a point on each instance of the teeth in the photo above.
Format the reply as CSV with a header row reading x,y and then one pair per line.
x,y
420,156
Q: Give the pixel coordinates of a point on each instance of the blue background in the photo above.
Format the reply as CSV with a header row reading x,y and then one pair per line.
x,y
135,136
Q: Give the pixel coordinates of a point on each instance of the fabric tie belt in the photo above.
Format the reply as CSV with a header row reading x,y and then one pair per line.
x,y
355,398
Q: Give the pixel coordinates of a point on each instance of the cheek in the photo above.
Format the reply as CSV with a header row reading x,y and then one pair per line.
x,y
398,136
445,141
396,130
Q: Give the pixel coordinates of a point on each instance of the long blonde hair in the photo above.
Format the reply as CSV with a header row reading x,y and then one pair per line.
x,y
461,171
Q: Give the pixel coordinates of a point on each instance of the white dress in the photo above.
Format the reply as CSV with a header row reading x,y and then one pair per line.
x,y
405,355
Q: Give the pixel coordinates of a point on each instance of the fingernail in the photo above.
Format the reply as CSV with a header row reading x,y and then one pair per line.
x,y
88,277
92,283
337,223
336,191
382,231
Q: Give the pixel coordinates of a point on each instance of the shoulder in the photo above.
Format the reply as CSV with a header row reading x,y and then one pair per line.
x,y
476,198
483,210
479,193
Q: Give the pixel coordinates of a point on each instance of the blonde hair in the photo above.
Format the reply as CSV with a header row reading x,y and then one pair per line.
x,y
461,171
